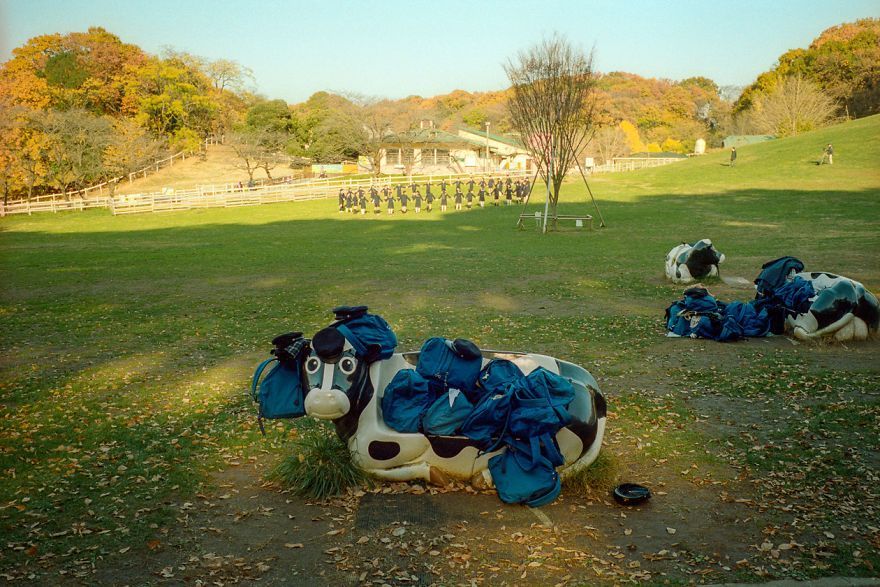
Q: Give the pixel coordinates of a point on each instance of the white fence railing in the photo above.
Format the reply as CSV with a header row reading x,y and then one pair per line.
x,y
633,163
230,195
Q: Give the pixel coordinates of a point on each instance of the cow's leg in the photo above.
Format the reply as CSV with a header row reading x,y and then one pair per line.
x,y
403,473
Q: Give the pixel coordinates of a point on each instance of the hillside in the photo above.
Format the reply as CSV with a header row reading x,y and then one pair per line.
x,y
783,164
217,168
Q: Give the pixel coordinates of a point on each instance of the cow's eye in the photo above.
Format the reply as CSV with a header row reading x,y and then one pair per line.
x,y
312,365
347,365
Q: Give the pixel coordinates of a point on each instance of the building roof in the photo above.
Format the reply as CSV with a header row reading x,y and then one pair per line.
x,y
512,141
430,136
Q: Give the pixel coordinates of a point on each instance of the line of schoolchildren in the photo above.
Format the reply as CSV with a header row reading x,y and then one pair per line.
x,y
356,201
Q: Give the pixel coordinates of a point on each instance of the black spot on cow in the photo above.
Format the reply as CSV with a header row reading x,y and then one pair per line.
x,y
447,447
383,451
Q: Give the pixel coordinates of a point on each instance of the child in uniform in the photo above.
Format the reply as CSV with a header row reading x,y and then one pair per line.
x,y
457,198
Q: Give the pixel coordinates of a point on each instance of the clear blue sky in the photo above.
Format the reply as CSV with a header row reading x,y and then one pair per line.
x,y
397,48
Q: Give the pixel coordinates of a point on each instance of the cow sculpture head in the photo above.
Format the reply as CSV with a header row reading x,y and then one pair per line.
x,y
338,366
687,262
842,308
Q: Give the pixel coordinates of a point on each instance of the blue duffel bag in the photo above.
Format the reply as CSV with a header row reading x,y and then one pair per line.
x,y
406,398
526,472
456,364
447,414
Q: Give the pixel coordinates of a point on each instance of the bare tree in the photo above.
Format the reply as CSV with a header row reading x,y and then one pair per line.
x,y
258,149
227,74
795,105
248,151
610,142
553,106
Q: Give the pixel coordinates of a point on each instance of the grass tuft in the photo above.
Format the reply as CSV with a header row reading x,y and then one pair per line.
x,y
601,476
320,466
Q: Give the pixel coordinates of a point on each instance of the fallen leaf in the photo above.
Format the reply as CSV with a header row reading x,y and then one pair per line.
x,y
670,530
292,545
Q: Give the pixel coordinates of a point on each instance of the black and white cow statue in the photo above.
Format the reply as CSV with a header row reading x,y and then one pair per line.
x,y
842,309
688,262
348,391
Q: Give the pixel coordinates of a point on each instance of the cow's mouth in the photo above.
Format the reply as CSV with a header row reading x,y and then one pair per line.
x,y
326,404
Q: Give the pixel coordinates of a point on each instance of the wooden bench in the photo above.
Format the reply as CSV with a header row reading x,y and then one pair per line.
x,y
579,220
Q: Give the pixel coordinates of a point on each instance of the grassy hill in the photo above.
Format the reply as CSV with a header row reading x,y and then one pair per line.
x,y
780,164
128,343
218,167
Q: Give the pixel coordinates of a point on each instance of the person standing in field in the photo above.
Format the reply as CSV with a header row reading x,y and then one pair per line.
x,y
458,197
482,195
429,198
404,198
443,199
732,156
470,195
390,199
341,199
374,195
417,199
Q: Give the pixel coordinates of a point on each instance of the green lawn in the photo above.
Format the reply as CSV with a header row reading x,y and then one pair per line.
x,y
128,341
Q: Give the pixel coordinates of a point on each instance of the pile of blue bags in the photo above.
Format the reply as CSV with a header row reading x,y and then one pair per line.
x,y
496,406
699,315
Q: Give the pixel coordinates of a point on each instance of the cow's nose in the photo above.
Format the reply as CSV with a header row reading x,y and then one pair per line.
x,y
326,404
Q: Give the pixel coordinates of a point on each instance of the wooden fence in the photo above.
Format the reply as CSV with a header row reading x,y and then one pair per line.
x,y
230,195
632,163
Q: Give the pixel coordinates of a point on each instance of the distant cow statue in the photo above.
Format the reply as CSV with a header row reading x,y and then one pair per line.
x,y
344,382
688,262
842,309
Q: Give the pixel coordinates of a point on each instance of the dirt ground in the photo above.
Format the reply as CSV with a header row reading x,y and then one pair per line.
x,y
709,521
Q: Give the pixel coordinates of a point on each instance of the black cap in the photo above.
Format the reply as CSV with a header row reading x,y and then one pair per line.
x,y
349,312
328,344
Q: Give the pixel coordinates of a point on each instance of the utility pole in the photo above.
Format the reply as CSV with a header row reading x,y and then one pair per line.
x,y
487,146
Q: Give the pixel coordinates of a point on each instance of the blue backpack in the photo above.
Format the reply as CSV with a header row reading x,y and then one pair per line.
x,y
774,275
406,398
487,423
456,363
497,376
369,334
526,473
280,394
447,414
539,404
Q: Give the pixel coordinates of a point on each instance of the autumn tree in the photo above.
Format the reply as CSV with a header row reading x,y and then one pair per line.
x,y
795,105
131,147
842,62
74,147
552,106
